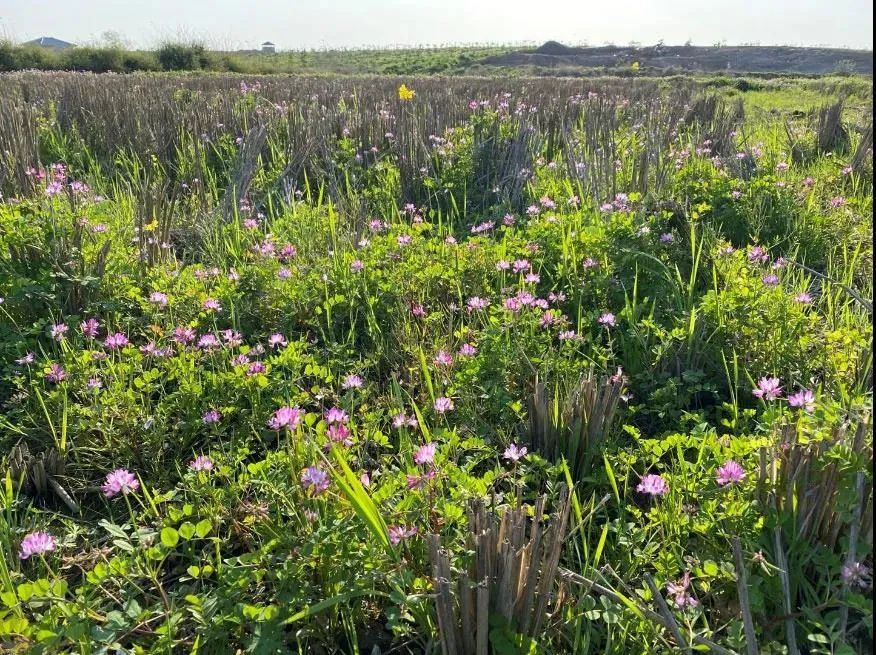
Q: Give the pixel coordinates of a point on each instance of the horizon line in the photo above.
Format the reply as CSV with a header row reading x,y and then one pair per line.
x,y
438,46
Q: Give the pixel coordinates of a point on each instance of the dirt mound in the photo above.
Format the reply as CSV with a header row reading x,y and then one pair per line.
x,y
553,48
736,59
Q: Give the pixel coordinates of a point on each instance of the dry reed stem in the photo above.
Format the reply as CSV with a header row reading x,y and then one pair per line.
x,y
742,590
668,619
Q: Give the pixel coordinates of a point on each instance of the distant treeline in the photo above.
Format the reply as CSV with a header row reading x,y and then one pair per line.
x,y
105,59
196,57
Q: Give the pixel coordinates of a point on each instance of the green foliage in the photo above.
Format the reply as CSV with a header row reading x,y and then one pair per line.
x,y
287,289
182,57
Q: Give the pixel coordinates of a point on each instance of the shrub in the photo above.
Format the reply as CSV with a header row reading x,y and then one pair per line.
x,y
744,85
183,56
95,60
14,57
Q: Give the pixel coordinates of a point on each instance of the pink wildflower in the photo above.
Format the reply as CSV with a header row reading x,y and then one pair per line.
x,y
729,472
314,480
255,369
336,415
653,485
467,350
56,374
856,574
59,331
208,342
426,453
211,416
398,533
804,298
352,382
607,319
36,543
339,433
120,481
443,405
286,417
768,388
443,358
476,302
418,481
803,399
201,463
514,453
184,335
276,340
116,341
679,592
89,328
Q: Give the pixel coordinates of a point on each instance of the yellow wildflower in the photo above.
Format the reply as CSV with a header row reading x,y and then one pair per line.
x,y
404,93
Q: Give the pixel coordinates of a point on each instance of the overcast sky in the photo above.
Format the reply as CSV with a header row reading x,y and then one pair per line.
x,y
295,24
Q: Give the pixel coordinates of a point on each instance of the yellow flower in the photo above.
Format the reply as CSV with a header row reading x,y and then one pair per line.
x,y
404,93
150,226
635,66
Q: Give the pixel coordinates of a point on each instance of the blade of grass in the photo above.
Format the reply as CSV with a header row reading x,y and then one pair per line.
x,y
316,608
362,503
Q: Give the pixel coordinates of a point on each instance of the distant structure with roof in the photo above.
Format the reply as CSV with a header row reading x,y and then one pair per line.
x,y
51,42
268,48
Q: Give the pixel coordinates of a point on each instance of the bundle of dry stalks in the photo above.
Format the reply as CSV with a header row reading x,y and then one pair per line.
x,y
830,133
574,426
803,483
513,575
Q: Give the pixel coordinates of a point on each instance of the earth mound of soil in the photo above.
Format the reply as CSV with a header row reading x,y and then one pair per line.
x,y
723,59
553,48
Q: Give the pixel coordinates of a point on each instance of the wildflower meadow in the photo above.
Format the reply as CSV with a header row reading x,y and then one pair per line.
x,y
462,366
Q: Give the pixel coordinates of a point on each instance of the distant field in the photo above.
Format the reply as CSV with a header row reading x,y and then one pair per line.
x,y
551,59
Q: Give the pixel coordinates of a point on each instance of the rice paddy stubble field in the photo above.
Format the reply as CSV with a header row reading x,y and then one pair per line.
x,y
375,365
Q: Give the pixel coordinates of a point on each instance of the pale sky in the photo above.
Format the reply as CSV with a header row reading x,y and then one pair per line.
x,y
295,24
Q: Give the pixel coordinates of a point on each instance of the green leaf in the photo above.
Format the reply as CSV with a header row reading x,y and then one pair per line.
x,y
611,478
424,367
202,529
114,530
187,530
710,567
18,624
169,537
597,555
59,588
360,500
316,608
424,428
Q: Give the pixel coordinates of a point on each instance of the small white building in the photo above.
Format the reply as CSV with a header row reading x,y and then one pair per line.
x,y
268,48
